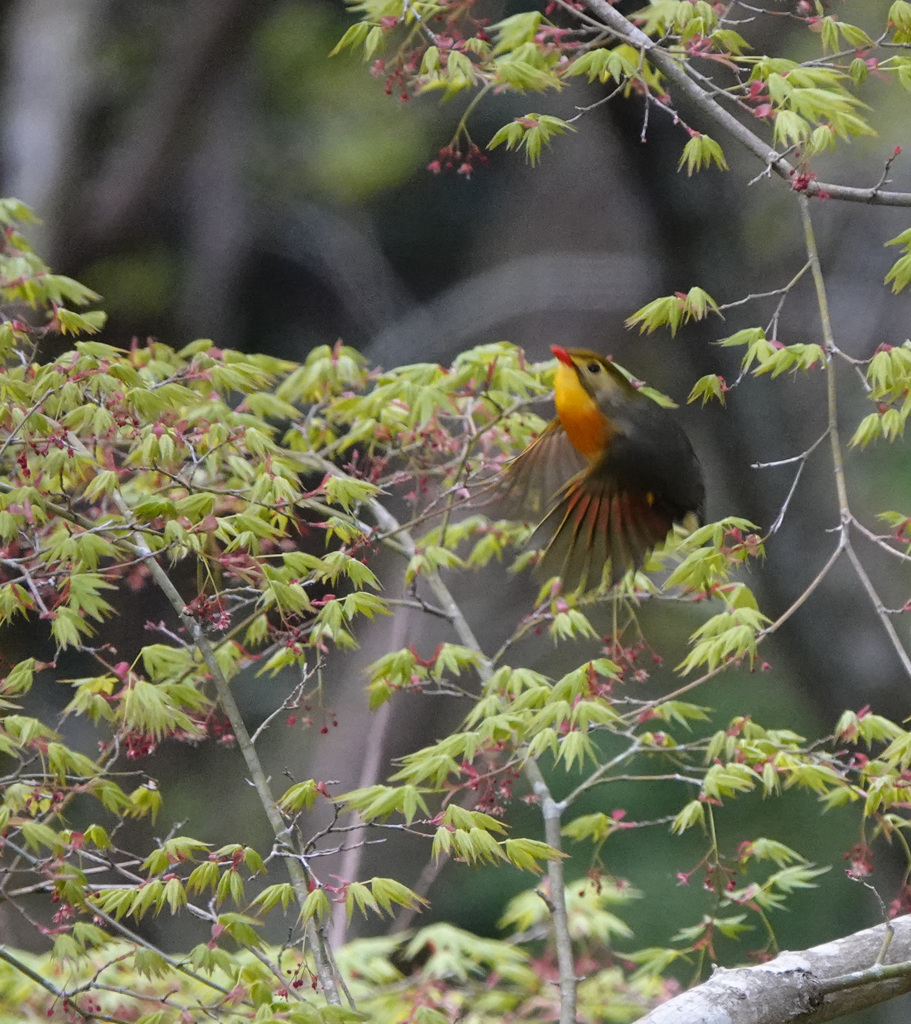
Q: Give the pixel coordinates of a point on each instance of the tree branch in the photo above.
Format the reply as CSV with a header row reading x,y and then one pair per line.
x,y
59,994
550,809
258,776
807,987
551,812
838,468
706,104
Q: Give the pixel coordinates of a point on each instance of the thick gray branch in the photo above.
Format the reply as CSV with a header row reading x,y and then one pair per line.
x,y
807,987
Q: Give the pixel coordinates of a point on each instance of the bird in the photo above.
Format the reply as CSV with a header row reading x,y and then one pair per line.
x,y
613,474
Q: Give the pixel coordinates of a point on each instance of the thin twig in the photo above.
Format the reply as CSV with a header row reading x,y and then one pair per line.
x,y
835,441
598,775
880,609
881,541
808,590
678,76
141,549
802,460
878,972
292,701
45,983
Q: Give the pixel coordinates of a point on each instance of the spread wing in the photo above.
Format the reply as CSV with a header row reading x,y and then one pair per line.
x,y
596,521
619,509
528,484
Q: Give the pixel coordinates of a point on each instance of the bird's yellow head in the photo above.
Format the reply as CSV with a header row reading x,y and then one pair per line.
x,y
585,383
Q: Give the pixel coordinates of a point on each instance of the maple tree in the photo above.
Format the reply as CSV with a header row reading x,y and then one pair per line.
x,y
252,495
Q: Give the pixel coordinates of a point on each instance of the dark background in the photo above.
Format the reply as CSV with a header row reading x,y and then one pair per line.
x,y
212,173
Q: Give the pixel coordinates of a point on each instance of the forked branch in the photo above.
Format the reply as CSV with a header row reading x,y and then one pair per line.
x,y
707,104
838,469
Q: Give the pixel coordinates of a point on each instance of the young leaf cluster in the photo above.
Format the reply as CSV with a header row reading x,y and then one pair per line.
x,y
244,499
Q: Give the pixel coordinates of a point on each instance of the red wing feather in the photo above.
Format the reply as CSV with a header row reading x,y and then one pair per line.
x,y
593,523
526,487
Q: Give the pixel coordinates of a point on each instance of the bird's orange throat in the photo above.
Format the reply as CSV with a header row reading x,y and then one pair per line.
x,y
585,424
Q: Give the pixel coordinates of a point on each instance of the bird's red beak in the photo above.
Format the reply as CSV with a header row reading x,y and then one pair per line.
x,y
562,355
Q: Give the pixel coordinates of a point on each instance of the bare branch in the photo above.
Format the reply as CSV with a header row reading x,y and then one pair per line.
x,y
810,986
835,441
551,812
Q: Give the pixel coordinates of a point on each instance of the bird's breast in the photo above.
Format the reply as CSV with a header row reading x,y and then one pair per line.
x,y
585,424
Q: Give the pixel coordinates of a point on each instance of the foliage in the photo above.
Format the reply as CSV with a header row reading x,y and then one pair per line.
x,y
806,106
247,499
261,488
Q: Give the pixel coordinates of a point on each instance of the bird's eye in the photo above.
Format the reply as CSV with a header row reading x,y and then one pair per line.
x,y
594,367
